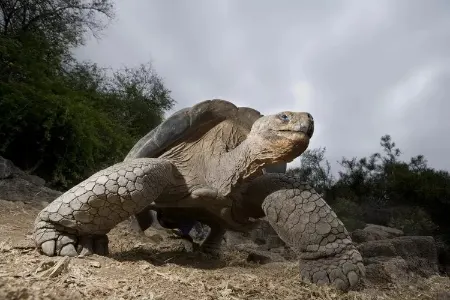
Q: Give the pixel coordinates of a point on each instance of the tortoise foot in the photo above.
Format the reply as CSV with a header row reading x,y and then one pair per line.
x,y
53,242
343,271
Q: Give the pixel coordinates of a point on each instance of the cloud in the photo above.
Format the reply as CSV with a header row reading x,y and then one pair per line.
x,y
362,68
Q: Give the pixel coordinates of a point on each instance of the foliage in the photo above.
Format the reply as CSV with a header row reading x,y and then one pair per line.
x,y
60,118
412,220
415,196
60,22
315,169
350,213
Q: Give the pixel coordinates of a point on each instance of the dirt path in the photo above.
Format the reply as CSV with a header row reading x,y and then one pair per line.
x,y
155,267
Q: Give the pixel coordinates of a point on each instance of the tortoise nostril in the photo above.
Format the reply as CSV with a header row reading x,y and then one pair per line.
x,y
309,116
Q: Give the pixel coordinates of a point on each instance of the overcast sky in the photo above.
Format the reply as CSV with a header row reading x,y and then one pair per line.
x,y
361,68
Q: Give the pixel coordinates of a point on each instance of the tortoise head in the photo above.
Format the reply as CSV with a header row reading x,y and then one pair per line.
x,y
283,136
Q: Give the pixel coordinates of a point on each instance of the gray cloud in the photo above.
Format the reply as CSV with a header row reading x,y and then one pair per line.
x,y
362,68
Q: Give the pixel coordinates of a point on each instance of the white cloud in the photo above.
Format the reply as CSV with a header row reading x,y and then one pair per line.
x,y
304,96
410,89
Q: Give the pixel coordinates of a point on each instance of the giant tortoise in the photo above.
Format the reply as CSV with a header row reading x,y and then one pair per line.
x,y
208,163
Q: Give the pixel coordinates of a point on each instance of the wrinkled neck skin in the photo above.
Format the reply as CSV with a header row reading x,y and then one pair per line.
x,y
245,162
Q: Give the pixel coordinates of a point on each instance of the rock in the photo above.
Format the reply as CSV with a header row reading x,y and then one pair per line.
x,y
9,170
391,270
6,168
200,231
17,185
375,232
95,264
399,259
405,247
19,189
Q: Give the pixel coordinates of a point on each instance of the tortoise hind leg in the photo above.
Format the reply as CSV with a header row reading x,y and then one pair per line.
x,y
213,242
77,222
308,225
142,220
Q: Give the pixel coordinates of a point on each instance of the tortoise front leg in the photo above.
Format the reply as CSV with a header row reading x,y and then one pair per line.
x,y
77,222
305,222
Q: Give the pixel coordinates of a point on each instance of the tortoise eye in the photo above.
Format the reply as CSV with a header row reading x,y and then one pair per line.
x,y
284,117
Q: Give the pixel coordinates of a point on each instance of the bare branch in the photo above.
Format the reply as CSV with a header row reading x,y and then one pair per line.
x,y
66,20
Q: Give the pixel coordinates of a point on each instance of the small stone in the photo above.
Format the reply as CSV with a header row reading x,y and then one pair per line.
x,y
95,264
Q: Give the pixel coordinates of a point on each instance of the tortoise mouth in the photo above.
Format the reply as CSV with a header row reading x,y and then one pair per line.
x,y
308,131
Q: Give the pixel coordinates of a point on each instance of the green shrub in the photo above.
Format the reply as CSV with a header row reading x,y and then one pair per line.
x,y
350,213
412,220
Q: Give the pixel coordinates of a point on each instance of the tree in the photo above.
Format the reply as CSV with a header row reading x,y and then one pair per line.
x,y
315,169
60,118
417,195
409,194
60,21
143,95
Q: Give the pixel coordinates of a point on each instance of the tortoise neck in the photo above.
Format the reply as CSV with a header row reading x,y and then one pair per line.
x,y
243,163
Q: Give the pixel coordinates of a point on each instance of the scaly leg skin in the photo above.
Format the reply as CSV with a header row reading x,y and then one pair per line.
x,y
308,225
76,223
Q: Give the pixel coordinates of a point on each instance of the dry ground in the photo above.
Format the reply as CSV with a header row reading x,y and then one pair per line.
x,y
154,266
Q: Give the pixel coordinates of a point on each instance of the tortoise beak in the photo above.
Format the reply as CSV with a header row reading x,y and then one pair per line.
x,y
307,127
